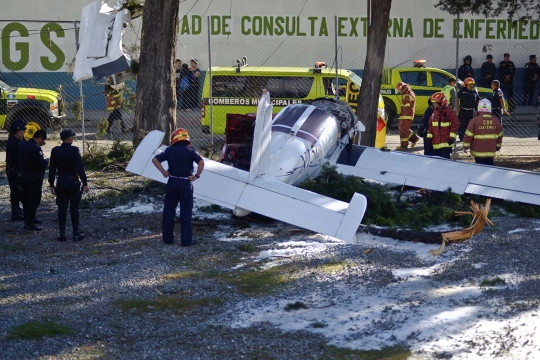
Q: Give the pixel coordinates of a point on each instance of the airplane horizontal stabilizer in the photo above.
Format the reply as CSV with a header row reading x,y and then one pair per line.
x,y
230,187
439,174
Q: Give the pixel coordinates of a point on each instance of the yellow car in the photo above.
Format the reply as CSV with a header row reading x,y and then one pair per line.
x,y
39,108
423,81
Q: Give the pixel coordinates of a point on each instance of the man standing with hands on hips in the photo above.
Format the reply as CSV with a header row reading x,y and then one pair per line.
x,y
180,158
66,161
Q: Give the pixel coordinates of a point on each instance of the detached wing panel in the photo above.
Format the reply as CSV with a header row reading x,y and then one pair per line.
x,y
440,174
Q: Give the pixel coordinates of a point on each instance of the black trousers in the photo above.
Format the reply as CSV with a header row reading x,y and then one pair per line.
x,y
464,117
68,193
178,191
31,195
14,191
530,89
484,161
115,115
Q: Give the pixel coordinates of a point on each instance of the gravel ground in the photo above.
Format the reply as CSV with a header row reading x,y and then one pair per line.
x,y
125,295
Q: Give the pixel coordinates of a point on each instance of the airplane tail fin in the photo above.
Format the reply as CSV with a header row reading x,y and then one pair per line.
x,y
260,153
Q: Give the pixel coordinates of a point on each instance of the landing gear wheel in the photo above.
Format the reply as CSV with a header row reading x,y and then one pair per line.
x,y
31,127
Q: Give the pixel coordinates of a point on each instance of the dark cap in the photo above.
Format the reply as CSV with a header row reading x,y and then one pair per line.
x,y
16,126
489,56
66,133
468,57
450,79
506,54
532,57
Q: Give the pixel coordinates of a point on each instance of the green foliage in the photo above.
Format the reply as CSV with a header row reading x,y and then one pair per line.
x,y
246,247
211,209
76,109
297,305
97,157
318,325
39,329
130,100
523,10
334,266
492,282
12,247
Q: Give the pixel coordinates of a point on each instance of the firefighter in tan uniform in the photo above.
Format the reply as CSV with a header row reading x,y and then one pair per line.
x,y
408,100
113,100
483,135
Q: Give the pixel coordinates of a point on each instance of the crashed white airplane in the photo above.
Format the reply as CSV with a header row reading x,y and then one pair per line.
x,y
285,151
299,140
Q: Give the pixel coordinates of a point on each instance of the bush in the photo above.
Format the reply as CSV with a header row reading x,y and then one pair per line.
x,y
98,158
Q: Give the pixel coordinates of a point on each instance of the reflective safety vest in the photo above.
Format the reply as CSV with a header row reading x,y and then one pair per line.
x,y
447,91
113,99
483,136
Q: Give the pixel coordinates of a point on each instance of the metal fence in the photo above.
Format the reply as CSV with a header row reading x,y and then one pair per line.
x,y
89,109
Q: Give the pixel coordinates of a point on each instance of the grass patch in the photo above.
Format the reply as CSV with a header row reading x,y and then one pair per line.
x,y
492,282
172,303
399,352
318,325
246,247
12,248
334,266
256,282
39,329
181,275
297,305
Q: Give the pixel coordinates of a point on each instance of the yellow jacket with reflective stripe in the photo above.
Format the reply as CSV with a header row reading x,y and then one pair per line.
x,y
408,101
113,99
483,136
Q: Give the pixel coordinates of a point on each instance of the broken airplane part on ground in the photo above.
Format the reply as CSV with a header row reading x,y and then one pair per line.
x,y
286,151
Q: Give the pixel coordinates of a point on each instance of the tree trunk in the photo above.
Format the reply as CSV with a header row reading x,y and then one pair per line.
x,y
373,68
156,95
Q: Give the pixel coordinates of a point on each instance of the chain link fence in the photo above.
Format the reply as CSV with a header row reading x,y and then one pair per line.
x,y
84,106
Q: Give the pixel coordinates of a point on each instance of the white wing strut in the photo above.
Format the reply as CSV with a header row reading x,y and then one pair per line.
x,y
260,154
230,187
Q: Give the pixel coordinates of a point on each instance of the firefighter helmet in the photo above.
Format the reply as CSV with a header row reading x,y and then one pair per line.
x,y
484,106
468,81
401,86
439,98
180,135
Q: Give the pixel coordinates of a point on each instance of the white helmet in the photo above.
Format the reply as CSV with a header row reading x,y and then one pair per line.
x,y
484,106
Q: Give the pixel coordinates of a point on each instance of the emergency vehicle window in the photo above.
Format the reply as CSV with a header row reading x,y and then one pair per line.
x,y
297,87
228,86
275,86
255,85
330,85
414,78
438,80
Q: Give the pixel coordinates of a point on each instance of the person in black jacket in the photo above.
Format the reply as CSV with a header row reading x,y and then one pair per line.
x,y
489,71
66,161
466,69
16,137
531,79
32,170
507,70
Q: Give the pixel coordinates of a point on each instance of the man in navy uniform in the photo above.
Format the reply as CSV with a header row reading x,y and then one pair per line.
x,y
180,158
531,79
32,171
67,163
488,71
507,70
16,137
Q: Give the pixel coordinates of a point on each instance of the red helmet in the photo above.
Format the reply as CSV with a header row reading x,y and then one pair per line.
x,y
402,86
180,135
468,81
439,98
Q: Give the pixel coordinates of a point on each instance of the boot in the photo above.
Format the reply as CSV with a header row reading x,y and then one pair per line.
x,y
77,236
16,214
32,227
62,236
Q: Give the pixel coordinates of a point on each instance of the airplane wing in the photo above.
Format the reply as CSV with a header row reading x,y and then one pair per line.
x,y
230,187
440,174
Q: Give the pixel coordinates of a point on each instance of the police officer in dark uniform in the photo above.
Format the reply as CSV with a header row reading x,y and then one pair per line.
x,y
67,163
468,99
489,71
531,79
16,137
507,70
180,158
466,69
32,171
